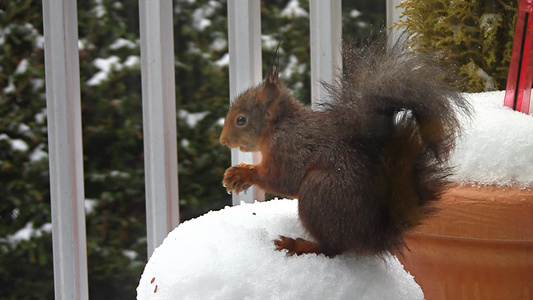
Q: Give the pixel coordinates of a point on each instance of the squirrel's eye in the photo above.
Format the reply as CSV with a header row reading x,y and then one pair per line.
x,y
241,120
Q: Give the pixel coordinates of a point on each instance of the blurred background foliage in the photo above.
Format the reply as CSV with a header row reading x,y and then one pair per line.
x,y
112,123
473,39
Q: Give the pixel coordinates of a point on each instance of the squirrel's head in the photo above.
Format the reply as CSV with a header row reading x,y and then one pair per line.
x,y
252,114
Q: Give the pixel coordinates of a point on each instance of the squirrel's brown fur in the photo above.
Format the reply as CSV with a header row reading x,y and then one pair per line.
x,y
365,167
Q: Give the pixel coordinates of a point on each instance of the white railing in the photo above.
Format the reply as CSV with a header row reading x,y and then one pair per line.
x,y
244,45
159,114
65,149
159,120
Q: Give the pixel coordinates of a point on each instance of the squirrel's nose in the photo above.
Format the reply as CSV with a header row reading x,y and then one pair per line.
x,y
223,139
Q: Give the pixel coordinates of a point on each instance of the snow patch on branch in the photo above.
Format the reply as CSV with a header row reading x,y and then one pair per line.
x,y
294,10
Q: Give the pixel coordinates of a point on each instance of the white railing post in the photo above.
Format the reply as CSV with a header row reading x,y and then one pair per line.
x,y
60,24
244,34
159,119
326,43
393,16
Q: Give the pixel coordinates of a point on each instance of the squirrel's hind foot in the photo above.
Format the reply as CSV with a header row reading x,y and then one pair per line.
x,y
297,246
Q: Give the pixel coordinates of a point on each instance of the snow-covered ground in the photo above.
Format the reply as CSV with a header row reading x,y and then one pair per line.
x,y
229,254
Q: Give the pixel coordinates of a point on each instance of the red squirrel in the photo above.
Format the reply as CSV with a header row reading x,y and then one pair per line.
x,y
367,165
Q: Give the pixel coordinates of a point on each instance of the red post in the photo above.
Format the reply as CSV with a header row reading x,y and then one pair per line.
x,y
520,78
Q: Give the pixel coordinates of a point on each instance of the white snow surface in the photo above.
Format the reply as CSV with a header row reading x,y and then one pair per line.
x,y
230,254
497,144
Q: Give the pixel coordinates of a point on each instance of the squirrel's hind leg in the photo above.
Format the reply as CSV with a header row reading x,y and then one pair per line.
x,y
297,246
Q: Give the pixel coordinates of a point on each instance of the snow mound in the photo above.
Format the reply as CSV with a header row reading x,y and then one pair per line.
x,y
497,144
229,254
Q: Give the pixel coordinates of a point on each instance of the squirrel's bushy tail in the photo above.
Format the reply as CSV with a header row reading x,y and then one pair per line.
x,y
399,104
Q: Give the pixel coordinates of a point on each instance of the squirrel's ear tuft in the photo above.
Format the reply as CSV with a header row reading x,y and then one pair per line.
x,y
272,76
271,84
271,88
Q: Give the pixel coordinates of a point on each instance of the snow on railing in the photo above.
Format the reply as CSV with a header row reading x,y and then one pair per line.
x,y
159,114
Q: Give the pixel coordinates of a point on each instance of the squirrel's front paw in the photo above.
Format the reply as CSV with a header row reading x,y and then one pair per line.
x,y
239,178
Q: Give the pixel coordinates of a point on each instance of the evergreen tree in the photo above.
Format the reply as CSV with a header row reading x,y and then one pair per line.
x,y
112,129
25,241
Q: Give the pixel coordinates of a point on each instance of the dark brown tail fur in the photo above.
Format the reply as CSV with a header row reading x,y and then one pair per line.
x,y
408,121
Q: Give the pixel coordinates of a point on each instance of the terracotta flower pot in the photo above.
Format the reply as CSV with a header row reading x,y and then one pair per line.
x,y
479,245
